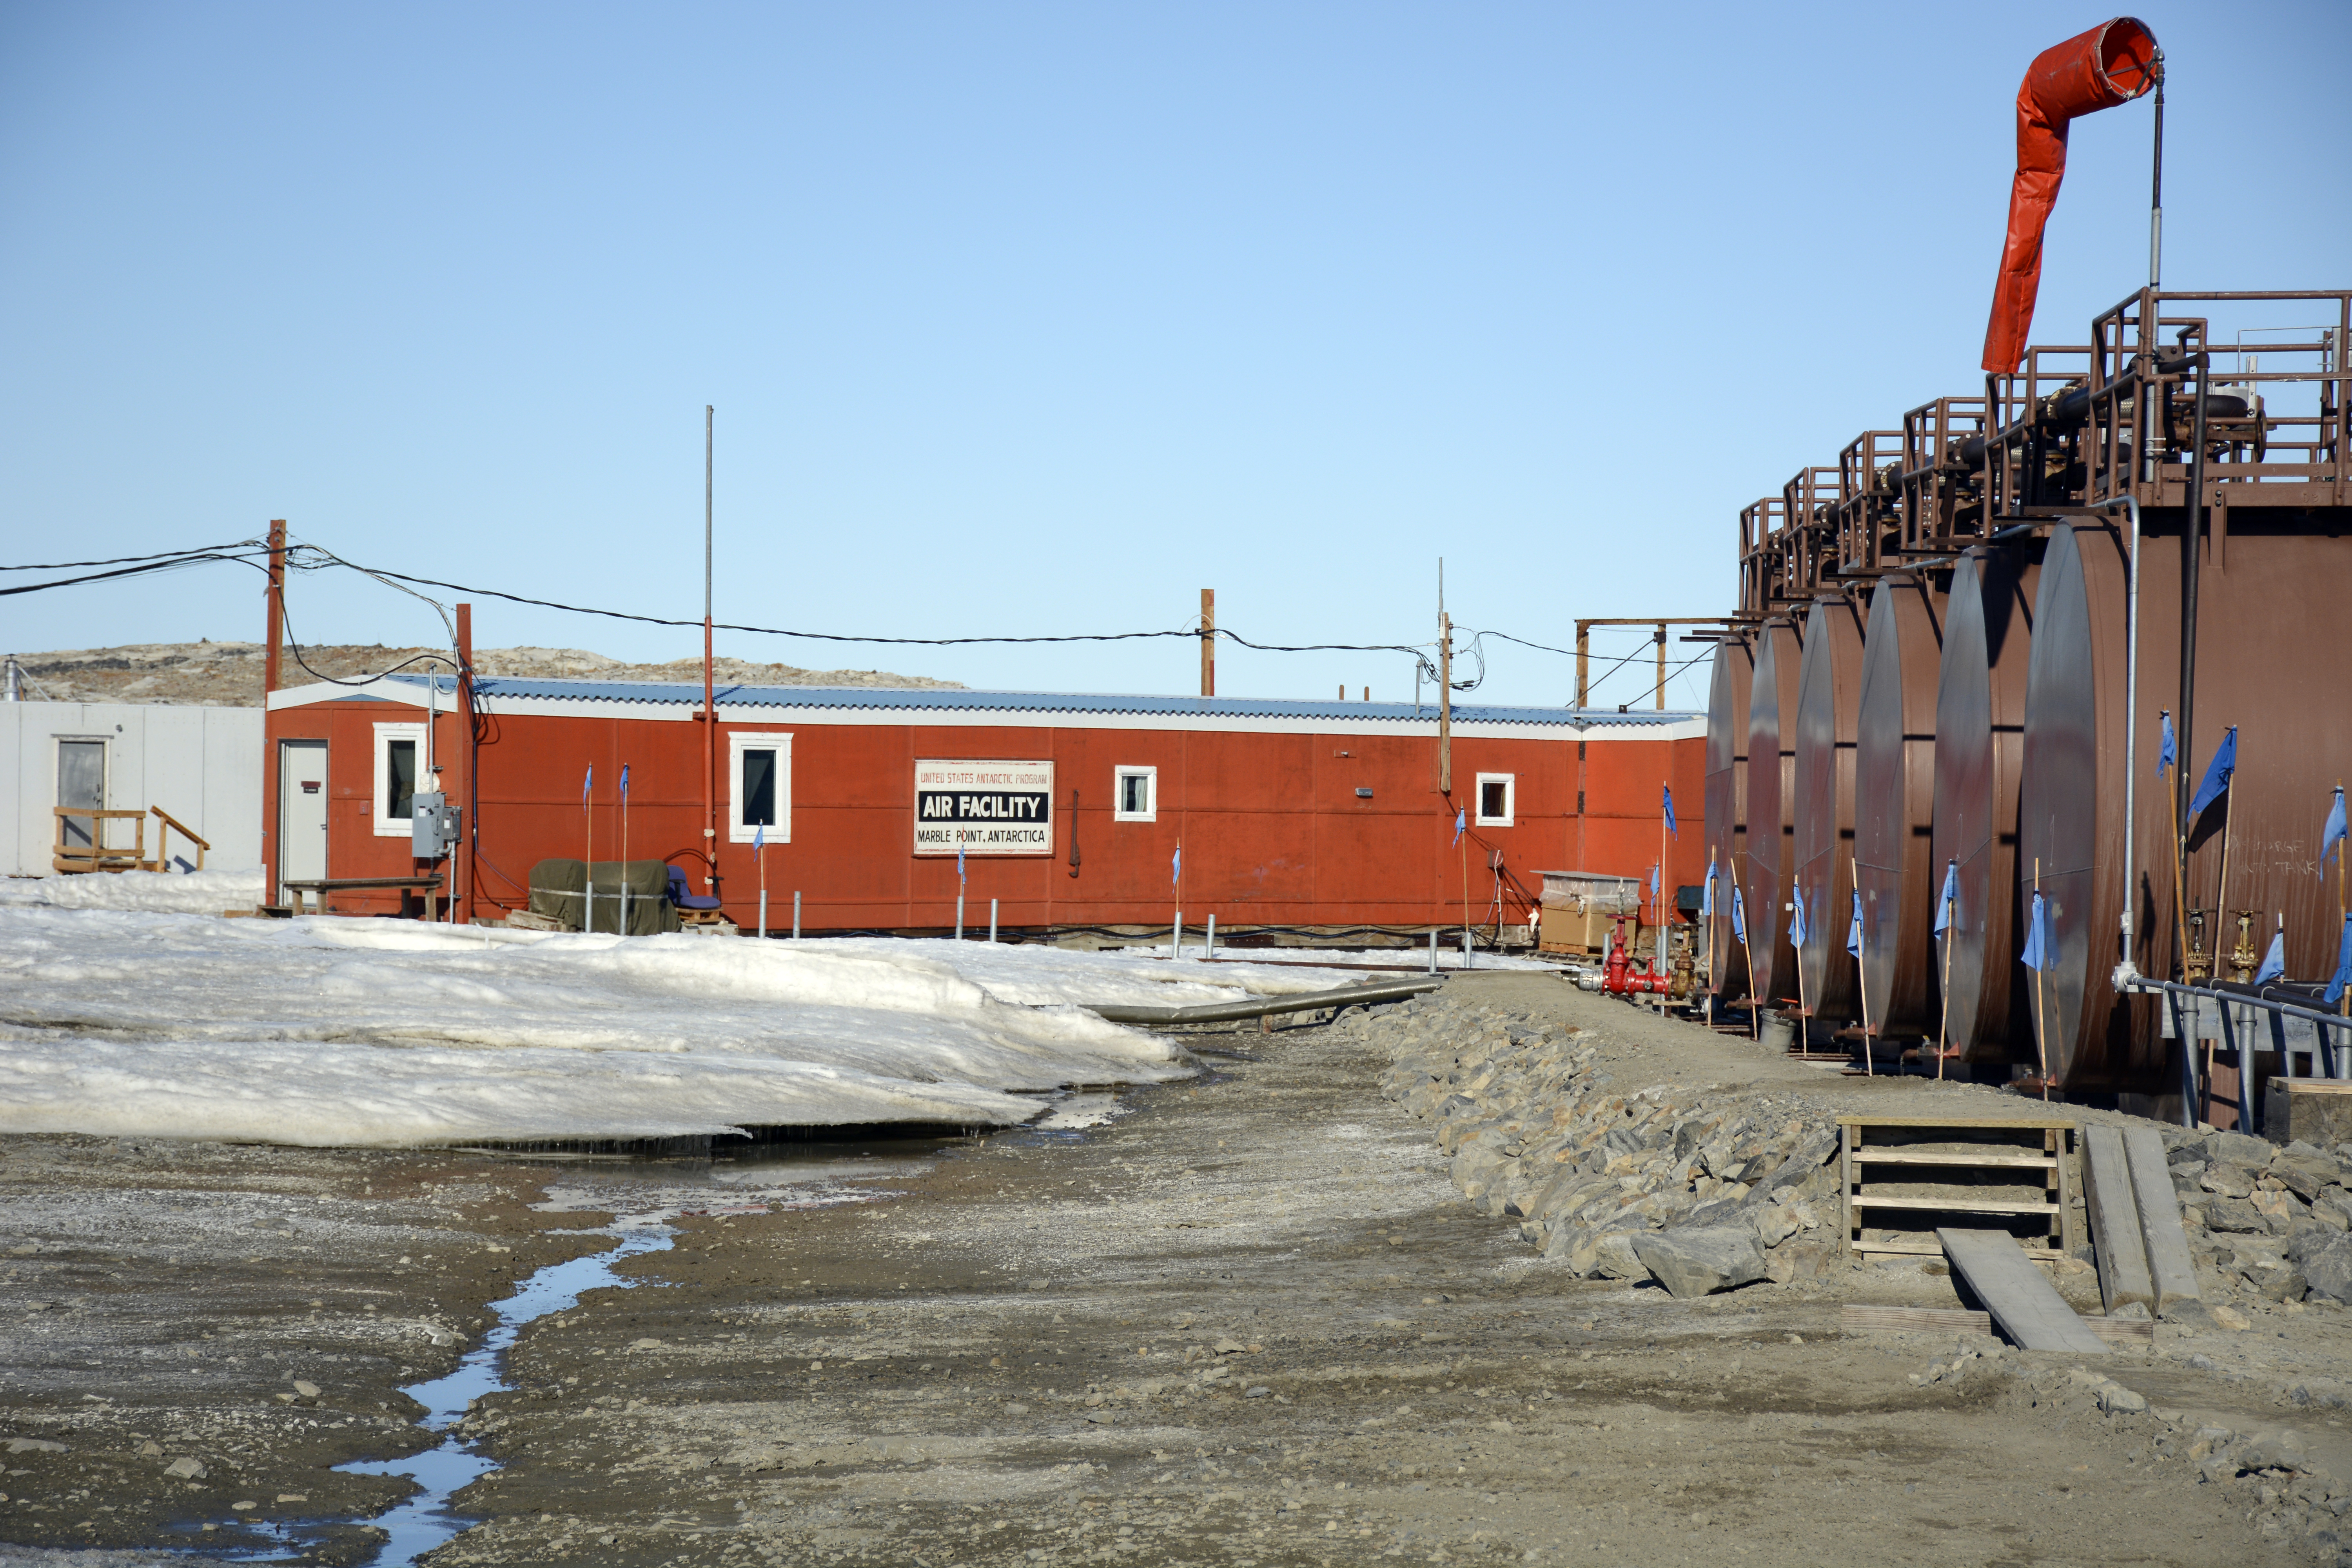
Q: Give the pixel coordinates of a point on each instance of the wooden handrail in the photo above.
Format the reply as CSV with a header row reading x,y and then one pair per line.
x,y
65,856
180,826
163,841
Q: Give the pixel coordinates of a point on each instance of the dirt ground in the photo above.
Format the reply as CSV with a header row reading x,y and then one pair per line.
x,y
1250,1321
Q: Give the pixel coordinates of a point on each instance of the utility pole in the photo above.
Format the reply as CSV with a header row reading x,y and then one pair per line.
x,y
710,709
1208,642
276,593
461,861
1659,624
1444,688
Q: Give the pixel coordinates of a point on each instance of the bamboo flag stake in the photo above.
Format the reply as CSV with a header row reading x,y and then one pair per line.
x,y
1747,950
2179,877
1861,970
625,849
588,866
2041,1026
1944,928
2341,849
1797,933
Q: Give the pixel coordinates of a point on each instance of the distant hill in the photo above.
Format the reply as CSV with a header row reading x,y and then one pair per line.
x,y
228,674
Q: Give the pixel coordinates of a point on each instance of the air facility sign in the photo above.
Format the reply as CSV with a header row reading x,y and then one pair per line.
x,y
983,808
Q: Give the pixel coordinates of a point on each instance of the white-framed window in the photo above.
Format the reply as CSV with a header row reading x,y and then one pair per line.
x,y
1135,794
759,788
399,774
1496,799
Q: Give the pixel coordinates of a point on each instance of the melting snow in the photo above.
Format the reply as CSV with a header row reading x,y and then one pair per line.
x,y
330,1031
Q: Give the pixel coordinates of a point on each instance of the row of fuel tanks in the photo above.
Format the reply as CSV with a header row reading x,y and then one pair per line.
x,y
1970,712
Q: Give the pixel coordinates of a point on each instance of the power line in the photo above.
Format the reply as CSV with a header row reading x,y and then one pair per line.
x,y
172,564
161,555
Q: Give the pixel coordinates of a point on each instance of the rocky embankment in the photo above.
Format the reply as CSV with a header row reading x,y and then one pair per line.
x,y
1707,1188
1704,1189
229,674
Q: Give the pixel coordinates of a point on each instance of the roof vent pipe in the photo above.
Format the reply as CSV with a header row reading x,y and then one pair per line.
x,y
2114,63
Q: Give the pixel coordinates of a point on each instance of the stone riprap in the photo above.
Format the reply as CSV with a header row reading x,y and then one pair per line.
x,y
1703,1189
1666,1181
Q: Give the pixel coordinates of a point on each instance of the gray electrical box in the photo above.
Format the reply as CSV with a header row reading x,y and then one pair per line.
x,y
433,831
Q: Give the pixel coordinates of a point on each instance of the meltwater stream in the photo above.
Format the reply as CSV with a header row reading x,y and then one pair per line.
x,y
427,1520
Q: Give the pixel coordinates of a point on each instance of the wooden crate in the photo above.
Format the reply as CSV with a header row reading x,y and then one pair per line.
x,y
2025,1151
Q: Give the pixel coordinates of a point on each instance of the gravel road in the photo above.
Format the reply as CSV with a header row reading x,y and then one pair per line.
x,y
1248,1322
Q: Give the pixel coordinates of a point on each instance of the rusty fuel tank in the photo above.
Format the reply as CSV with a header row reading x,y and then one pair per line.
x,y
1979,736
2271,661
1894,803
1726,802
1829,707
1771,796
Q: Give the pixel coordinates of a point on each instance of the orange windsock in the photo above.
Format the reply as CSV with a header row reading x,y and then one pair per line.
x,y
2112,63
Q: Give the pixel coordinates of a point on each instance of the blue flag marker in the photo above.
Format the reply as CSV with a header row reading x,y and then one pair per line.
x,y
2331,834
1707,895
2343,965
1670,811
1797,921
1740,917
586,784
1654,883
2273,962
2170,749
1853,932
2038,943
759,838
1176,867
625,781
958,863
2217,773
1947,901
1461,822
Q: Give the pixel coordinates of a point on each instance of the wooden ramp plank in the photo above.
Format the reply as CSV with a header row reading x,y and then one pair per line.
x,y
2172,1272
2114,1213
1855,1318
2027,1307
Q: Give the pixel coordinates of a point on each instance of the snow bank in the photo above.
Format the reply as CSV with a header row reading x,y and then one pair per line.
x,y
330,1031
1043,975
158,892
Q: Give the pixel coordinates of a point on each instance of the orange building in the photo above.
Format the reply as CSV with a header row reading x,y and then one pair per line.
x,y
1069,809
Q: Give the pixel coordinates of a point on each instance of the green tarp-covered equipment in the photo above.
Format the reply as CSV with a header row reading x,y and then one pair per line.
x,y
555,892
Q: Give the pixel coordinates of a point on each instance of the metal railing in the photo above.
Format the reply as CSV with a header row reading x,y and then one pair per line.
x,y
2331,1060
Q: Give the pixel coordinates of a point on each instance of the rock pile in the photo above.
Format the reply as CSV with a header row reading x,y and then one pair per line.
x,y
1703,1189
2272,1223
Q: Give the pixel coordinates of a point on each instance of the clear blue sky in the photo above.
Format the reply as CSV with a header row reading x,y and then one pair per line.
x,y
1028,319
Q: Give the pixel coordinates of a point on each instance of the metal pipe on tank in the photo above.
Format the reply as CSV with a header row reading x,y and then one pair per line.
x,y
2190,553
2125,970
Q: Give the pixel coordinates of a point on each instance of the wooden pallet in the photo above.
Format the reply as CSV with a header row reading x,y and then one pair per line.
x,y
1858,1159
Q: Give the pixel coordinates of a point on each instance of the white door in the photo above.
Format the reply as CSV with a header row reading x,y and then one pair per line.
x,y
301,813
81,786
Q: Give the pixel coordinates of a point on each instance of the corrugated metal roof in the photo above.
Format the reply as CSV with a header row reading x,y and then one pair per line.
x,y
960,701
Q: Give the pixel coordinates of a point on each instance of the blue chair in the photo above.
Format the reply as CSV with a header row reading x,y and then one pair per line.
x,y
681,896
